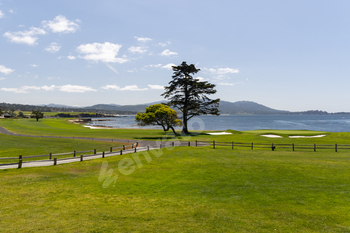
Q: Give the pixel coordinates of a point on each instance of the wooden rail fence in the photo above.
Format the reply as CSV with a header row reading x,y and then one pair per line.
x,y
133,148
273,146
64,156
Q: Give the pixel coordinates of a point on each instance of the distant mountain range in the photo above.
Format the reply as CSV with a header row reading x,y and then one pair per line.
x,y
225,107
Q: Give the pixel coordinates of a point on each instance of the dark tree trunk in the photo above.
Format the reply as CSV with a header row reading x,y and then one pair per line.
x,y
164,128
184,123
172,128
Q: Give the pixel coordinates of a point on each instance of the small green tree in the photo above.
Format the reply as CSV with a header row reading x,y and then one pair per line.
x,y
159,114
37,114
20,114
1,111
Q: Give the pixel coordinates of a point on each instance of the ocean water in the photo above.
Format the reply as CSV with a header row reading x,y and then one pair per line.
x,y
330,123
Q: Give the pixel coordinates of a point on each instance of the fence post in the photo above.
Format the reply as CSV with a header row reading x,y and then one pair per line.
x,y
81,158
233,144
20,161
315,147
123,147
252,146
55,161
293,146
173,144
121,152
213,144
147,147
135,150
75,153
336,148
94,151
272,147
196,143
50,156
160,146
103,154
189,143
111,149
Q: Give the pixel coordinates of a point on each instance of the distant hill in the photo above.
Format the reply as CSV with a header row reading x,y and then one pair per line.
x,y
240,107
225,107
132,108
56,106
247,108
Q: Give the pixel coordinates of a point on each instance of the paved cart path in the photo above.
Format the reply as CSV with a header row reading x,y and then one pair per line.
x,y
142,146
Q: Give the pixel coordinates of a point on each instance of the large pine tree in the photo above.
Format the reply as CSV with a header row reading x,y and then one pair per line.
x,y
189,95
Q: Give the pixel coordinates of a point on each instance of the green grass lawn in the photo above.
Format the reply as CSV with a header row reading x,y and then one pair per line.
x,y
183,190
62,127
13,146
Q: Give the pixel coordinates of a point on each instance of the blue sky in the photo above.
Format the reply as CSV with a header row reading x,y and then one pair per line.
x,y
290,55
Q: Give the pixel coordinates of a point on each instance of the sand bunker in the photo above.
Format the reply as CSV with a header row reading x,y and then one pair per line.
x,y
96,127
220,133
315,136
271,136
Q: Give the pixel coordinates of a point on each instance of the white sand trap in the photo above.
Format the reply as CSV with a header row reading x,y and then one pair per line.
x,y
271,136
220,133
94,127
315,136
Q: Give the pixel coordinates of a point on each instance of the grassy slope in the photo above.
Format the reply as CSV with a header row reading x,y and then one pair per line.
x,y
184,190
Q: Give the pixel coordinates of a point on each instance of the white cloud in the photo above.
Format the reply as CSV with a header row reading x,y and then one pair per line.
x,y
61,24
137,49
112,68
168,66
142,39
33,65
15,90
156,87
53,48
25,37
227,84
201,79
221,71
126,88
230,84
11,11
23,89
2,78
70,57
106,52
154,65
75,88
49,88
1,14
65,88
167,53
5,70
164,44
